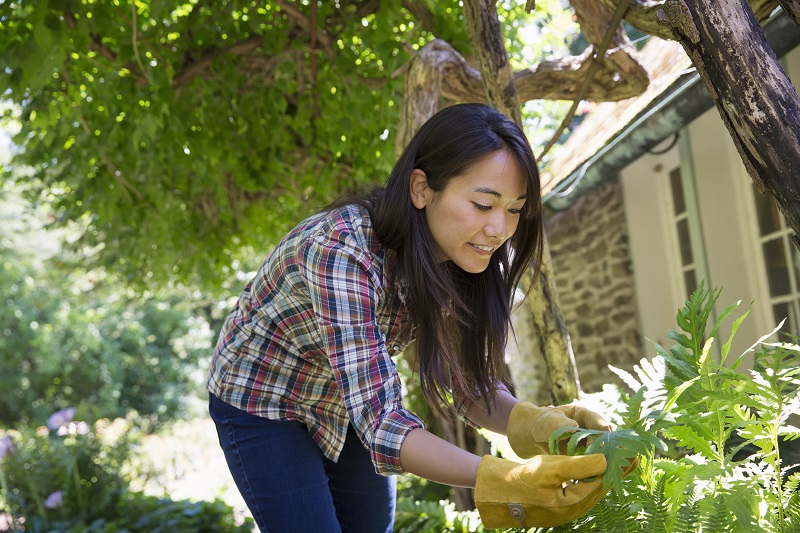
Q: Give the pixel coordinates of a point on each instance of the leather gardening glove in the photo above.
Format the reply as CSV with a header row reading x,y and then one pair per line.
x,y
540,493
529,426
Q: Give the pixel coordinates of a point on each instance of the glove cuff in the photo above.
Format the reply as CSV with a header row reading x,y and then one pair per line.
x,y
520,421
491,498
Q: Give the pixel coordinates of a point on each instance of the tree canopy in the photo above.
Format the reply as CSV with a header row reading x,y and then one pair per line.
x,y
179,134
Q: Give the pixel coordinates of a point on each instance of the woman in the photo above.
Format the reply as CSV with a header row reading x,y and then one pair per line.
x,y
304,393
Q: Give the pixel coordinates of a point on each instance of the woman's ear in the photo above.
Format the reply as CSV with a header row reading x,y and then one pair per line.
x,y
418,187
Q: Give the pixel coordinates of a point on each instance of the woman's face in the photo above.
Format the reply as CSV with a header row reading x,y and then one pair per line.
x,y
476,212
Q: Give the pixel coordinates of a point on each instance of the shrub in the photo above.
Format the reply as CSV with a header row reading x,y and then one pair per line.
x,y
138,513
67,477
63,472
60,345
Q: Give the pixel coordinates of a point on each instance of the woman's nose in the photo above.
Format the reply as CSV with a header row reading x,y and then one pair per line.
x,y
497,227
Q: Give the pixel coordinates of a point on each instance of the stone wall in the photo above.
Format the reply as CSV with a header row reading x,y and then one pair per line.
x,y
593,274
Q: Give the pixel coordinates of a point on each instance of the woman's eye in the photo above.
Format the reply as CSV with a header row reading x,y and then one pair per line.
x,y
482,207
515,211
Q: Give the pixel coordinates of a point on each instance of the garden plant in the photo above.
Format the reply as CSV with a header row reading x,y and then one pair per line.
x,y
71,476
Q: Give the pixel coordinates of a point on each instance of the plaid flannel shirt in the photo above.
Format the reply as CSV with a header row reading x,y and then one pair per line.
x,y
312,335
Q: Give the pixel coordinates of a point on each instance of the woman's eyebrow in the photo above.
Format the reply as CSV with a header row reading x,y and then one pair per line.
x,y
487,190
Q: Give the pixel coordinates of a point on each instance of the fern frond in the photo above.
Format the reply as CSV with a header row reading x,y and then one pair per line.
x,y
793,507
693,318
632,411
726,348
689,438
679,361
731,396
741,501
655,511
627,378
687,518
793,483
611,516
716,518
620,447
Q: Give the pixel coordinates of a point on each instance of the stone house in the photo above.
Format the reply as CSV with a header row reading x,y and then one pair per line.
x,y
648,197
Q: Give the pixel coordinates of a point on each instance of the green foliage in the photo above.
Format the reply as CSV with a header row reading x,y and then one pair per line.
x,y
138,513
711,438
64,472
215,128
184,138
426,516
69,477
70,338
415,488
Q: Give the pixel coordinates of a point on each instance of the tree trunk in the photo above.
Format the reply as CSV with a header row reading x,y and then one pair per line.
x,y
754,97
544,338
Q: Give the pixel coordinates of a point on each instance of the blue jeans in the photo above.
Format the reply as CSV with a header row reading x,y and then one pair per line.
x,y
288,484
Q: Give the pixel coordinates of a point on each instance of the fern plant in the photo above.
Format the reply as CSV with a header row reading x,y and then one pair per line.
x,y
706,436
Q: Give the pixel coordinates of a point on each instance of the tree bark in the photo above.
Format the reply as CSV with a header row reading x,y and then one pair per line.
x,y
792,8
549,341
438,70
642,14
754,97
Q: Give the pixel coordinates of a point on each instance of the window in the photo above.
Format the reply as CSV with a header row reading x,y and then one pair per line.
x,y
781,262
680,218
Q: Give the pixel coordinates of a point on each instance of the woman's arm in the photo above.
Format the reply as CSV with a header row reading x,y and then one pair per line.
x,y
426,455
497,421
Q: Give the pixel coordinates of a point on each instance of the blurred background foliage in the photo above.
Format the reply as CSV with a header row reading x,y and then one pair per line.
x,y
68,335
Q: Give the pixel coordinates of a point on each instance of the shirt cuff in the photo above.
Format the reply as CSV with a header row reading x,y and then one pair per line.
x,y
388,438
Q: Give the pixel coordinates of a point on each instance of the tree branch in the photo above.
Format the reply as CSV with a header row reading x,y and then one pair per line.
x,y
302,21
96,45
755,99
550,80
792,8
642,14
610,34
196,68
423,15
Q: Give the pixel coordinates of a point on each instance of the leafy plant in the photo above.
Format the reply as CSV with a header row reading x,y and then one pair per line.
x,y
69,477
182,136
66,471
709,436
67,337
138,513
426,516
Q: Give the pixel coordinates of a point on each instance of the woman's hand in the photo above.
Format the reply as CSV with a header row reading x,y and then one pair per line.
x,y
548,490
529,426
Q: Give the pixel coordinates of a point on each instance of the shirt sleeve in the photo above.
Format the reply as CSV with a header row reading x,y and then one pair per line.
x,y
345,286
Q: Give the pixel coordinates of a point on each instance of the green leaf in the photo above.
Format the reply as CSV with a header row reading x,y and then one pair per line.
x,y
726,348
687,437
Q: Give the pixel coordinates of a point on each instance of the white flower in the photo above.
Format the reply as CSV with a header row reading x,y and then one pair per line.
x,y
73,428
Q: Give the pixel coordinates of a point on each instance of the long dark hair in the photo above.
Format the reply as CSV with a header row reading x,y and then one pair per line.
x,y
461,319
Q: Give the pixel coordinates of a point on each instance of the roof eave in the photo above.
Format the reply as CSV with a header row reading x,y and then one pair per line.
x,y
679,104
